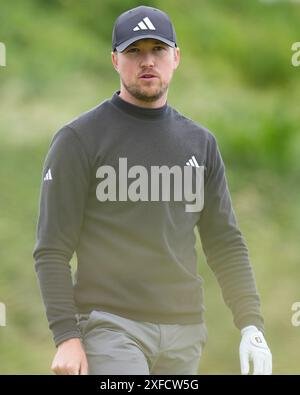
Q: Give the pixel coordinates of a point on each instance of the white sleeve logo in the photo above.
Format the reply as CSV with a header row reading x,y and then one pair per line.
x,y
48,175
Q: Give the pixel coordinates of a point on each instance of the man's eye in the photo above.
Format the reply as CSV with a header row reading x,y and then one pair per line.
x,y
157,48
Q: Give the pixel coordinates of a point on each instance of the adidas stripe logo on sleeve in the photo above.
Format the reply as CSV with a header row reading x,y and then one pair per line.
x,y
48,175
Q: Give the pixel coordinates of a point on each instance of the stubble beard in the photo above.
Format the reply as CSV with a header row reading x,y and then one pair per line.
x,y
141,94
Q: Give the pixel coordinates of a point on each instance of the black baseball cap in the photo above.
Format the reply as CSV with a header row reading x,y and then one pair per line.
x,y
142,22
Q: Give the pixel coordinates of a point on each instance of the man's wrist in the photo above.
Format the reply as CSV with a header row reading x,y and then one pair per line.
x,y
73,340
67,336
249,328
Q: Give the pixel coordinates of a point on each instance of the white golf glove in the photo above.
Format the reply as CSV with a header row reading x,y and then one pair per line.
x,y
253,347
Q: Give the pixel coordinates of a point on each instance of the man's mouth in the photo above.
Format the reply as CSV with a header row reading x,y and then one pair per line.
x,y
148,76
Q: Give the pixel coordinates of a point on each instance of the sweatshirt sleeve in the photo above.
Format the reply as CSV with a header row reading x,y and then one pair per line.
x,y
224,246
64,190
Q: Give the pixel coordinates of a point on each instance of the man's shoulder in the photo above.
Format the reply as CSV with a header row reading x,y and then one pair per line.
x,y
83,128
190,125
89,119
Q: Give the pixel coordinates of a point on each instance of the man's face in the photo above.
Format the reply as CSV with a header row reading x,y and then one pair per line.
x,y
146,68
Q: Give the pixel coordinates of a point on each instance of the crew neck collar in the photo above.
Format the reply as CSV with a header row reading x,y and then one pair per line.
x,y
140,112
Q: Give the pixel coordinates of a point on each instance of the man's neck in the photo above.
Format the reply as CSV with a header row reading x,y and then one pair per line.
x,y
125,95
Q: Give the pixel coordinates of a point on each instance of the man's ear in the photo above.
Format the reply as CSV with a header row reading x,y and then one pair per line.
x,y
114,59
176,57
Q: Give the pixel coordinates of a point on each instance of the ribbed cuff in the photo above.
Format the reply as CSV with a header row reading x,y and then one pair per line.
x,y
65,330
251,320
66,336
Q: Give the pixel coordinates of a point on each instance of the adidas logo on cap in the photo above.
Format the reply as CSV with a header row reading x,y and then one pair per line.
x,y
144,26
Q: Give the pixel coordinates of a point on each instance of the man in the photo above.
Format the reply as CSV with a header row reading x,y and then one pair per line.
x,y
112,192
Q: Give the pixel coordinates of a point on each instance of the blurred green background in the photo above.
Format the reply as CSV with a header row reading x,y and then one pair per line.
x,y
235,78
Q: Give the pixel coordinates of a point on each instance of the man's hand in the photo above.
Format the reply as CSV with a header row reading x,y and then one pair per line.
x,y
253,347
70,358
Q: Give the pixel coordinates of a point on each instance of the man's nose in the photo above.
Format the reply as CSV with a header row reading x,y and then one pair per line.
x,y
147,59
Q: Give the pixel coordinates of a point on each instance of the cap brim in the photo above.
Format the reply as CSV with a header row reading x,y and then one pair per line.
x,y
126,43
